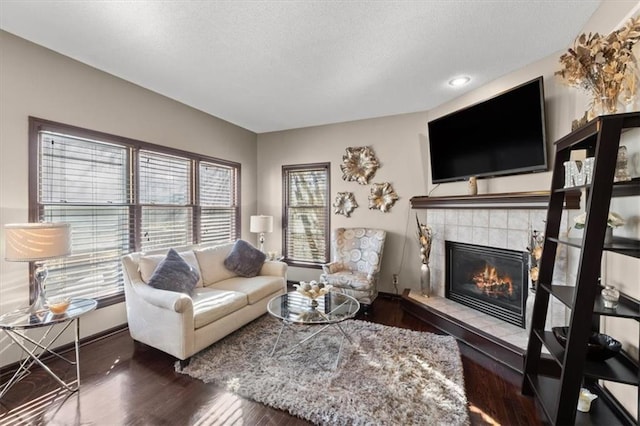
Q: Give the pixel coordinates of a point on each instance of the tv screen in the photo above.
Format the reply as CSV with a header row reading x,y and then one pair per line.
x,y
500,136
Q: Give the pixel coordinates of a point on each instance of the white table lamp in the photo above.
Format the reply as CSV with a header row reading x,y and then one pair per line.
x,y
261,224
36,242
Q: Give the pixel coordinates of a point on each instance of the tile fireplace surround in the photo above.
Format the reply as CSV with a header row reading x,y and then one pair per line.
x,y
494,226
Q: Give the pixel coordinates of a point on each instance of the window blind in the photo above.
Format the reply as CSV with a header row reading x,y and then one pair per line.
x,y
164,182
307,220
218,190
116,205
85,183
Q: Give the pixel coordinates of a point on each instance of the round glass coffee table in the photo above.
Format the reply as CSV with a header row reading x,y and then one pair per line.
x,y
295,309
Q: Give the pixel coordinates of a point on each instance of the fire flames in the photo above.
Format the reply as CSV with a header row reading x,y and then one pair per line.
x,y
491,283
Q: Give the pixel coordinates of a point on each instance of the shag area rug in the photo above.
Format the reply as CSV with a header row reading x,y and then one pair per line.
x,y
387,376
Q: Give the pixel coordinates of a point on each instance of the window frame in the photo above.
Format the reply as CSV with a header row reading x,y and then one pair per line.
x,y
37,125
285,195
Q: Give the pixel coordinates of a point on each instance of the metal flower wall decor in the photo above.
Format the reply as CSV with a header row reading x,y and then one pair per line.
x,y
359,164
345,203
382,197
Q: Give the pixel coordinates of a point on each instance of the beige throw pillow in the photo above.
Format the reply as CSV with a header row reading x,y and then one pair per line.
x,y
211,261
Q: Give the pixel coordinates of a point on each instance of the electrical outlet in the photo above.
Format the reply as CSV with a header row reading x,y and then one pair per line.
x,y
395,279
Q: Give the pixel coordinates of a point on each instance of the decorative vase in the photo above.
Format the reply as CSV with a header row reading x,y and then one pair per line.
x,y
610,296
603,105
473,185
608,235
425,280
528,313
622,173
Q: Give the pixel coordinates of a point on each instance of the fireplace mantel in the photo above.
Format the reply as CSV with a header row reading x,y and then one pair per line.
x,y
507,200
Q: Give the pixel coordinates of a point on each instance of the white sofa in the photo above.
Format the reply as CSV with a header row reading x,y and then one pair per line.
x,y
182,325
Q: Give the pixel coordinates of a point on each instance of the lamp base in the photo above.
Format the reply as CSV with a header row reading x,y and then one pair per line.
x,y
39,303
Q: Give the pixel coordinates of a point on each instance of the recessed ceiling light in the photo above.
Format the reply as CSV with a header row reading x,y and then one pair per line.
x,y
459,81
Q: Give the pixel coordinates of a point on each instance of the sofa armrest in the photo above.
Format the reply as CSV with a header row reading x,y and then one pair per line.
x,y
274,268
177,302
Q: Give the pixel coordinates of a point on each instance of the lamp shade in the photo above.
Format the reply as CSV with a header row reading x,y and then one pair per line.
x,y
27,242
261,224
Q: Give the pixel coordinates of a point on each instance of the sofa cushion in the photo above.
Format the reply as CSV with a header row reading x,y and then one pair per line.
x,y
148,264
211,262
244,259
210,304
256,288
174,274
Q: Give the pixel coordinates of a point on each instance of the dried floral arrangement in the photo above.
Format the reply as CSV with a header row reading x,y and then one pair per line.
x,y
604,66
536,241
425,239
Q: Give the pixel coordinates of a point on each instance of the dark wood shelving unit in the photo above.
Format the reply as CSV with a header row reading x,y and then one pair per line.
x,y
558,395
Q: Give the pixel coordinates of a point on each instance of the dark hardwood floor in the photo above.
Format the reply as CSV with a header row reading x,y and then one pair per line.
x,y
125,383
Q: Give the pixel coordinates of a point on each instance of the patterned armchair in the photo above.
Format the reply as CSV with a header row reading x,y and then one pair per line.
x,y
356,254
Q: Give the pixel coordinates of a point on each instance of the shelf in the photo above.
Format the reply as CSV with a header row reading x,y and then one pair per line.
x,y
587,135
620,245
619,189
627,308
558,396
551,343
626,189
625,246
507,200
600,414
546,390
616,369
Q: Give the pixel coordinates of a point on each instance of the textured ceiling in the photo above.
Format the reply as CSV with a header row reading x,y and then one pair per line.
x,y
274,65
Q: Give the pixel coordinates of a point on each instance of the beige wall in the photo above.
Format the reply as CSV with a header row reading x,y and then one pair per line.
x,y
400,143
37,82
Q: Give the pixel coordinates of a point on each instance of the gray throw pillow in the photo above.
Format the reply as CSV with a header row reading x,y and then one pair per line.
x,y
174,274
244,259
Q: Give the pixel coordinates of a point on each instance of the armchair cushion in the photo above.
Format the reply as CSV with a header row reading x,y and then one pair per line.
x,y
333,267
174,274
244,259
348,279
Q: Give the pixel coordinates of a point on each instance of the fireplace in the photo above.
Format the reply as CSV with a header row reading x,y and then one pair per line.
x,y
491,280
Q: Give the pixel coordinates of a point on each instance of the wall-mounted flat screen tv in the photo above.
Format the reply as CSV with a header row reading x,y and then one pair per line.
x,y
500,136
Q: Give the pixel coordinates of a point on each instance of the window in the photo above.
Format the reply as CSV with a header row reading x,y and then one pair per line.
x,y
121,195
306,215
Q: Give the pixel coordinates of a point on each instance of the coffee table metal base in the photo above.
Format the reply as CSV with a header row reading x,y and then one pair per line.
x,y
321,328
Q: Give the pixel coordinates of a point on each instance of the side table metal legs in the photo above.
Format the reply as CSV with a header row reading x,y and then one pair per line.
x,y
36,352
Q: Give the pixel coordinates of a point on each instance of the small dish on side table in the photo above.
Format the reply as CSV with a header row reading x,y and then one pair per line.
x,y
58,305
